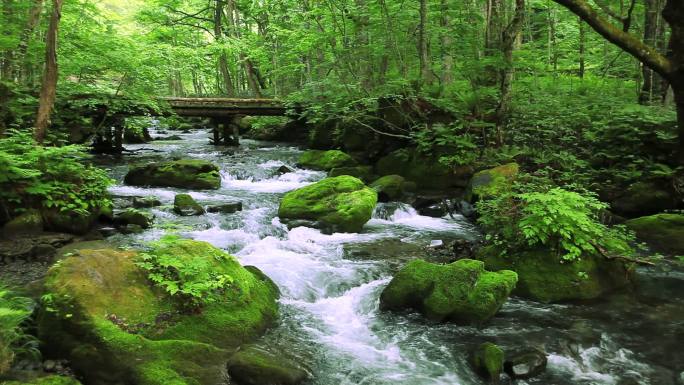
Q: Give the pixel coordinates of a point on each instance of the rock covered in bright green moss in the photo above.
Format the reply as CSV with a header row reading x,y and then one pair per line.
x,y
391,187
343,203
325,160
491,182
365,173
427,172
542,276
488,361
30,222
662,232
135,217
186,173
255,366
462,291
115,326
185,205
47,380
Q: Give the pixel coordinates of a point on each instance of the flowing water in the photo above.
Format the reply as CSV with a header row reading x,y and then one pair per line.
x,y
330,287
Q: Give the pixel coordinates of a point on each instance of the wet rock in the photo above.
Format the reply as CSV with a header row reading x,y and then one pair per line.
x,y
492,182
170,138
462,291
526,364
186,173
226,208
134,217
184,205
70,221
466,209
488,361
131,229
391,188
38,246
43,251
342,203
662,232
30,222
436,207
256,366
365,173
108,231
325,160
282,170
544,277
146,202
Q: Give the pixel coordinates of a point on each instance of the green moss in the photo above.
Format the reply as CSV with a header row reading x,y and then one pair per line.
x,y
187,173
343,203
492,182
546,278
389,187
462,291
488,360
114,326
365,173
427,172
326,160
255,366
49,380
30,222
662,232
135,217
185,205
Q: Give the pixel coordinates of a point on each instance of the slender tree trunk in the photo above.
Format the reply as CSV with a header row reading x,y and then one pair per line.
x,y
7,62
49,87
582,47
679,102
447,57
31,24
425,71
652,84
227,87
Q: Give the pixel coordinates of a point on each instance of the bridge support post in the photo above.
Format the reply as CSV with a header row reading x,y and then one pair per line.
x,y
118,134
215,131
231,131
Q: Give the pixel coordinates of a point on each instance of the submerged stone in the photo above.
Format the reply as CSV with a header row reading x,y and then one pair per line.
x,y
342,203
492,182
462,291
526,364
256,366
187,173
543,277
115,326
184,205
226,208
488,361
664,233
325,160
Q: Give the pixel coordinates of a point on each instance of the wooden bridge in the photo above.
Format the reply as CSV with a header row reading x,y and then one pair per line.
x,y
225,107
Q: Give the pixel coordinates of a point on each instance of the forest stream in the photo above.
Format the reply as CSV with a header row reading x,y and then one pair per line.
x,y
330,286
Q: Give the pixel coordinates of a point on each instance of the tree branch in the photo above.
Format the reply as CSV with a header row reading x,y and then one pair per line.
x,y
635,47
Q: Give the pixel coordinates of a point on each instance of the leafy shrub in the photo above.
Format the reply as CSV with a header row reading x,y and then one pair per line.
x,y
564,221
49,177
448,143
14,311
193,281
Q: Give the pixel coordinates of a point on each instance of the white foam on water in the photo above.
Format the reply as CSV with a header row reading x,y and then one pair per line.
x,y
408,216
279,184
224,238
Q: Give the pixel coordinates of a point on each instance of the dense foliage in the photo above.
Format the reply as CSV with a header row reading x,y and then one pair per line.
x,y
14,311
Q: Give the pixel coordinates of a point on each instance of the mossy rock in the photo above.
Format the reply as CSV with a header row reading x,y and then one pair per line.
x,y
645,198
184,205
256,366
427,172
70,221
116,327
488,361
491,183
135,217
462,291
146,202
365,173
391,187
48,380
30,222
343,203
187,173
544,277
325,160
664,233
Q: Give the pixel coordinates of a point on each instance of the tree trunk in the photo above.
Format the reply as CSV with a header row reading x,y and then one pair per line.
x,y
582,48
31,24
49,88
447,57
679,101
425,71
227,86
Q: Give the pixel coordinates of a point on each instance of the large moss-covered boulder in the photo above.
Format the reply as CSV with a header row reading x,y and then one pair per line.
x,y
427,172
343,203
326,160
463,291
544,277
186,173
492,182
115,326
662,232
255,366
392,187
645,198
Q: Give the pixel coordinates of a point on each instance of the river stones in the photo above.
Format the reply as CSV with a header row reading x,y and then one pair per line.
x,y
461,292
226,208
186,173
256,366
492,182
664,233
488,361
342,204
145,202
325,160
115,326
185,206
134,217
391,187
526,364
544,277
